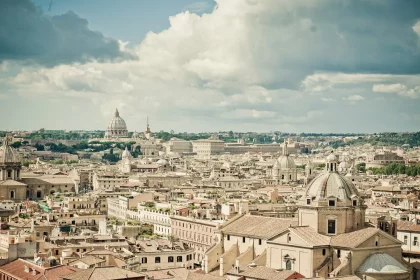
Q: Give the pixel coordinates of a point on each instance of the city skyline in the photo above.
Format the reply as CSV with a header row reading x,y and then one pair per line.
x,y
211,66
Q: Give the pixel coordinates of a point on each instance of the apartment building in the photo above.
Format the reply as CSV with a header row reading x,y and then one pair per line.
x,y
197,234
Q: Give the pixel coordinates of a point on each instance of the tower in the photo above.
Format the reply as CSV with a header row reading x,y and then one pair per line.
x,y
125,166
148,132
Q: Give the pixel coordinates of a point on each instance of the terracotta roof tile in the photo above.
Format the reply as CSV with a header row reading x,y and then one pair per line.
x,y
408,226
258,226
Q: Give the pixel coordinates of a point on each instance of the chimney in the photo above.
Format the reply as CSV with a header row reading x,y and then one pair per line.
x,y
237,266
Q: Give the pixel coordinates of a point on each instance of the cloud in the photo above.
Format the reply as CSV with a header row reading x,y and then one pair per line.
x,y
388,88
245,62
416,28
26,34
400,89
354,98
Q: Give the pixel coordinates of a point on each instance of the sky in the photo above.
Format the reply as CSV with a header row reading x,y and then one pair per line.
x,y
242,65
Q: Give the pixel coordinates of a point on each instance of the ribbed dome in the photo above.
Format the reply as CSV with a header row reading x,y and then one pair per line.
x,y
284,162
116,127
9,155
117,123
329,184
381,263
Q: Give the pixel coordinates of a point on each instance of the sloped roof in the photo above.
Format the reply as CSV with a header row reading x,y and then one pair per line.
x,y
408,226
355,238
103,273
310,236
258,226
17,270
263,272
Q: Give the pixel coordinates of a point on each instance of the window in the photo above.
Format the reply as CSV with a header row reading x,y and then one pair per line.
x,y
12,195
324,252
38,194
228,237
331,226
308,201
179,259
143,260
405,239
354,202
331,203
170,259
338,253
415,241
259,241
243,239
9,173
289,237
157,259
288,264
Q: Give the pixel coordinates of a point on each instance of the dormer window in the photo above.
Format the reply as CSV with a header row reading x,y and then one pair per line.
x,y
331,202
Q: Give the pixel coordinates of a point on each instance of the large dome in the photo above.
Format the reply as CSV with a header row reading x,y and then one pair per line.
x,y
331,184
284,162
8,154
381,263
116,127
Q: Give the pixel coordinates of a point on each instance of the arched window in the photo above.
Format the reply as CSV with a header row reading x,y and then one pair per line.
x,y
288,264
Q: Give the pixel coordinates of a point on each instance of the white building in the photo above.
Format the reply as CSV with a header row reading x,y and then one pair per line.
x,y
160,220
180,146
205,148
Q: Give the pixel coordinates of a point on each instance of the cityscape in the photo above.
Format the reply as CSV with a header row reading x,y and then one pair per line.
x,y
210,139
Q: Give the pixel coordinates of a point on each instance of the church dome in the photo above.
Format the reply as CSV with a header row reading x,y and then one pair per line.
x,y
116,127
285,162
381,263
117,123
332,157
331,184
8,154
